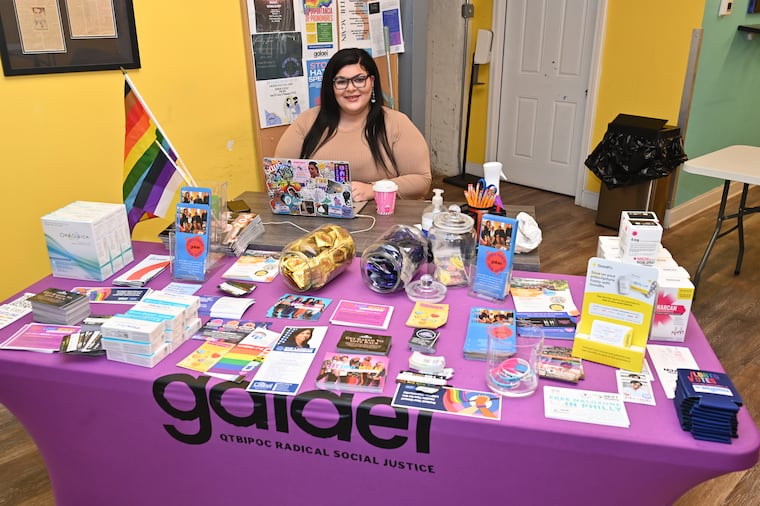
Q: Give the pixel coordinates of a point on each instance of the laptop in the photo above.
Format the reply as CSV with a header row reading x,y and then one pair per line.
x,y
307,187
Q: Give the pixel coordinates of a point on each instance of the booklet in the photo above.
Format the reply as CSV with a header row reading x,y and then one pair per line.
x,y
362,314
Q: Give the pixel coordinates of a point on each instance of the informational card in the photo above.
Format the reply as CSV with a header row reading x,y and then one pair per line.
x,y
362,314
449,400
287,363
666,360
254,265
112,295
635,388
224,307
588,406
192,233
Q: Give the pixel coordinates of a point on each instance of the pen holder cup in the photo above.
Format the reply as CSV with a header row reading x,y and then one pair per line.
x,y
477,213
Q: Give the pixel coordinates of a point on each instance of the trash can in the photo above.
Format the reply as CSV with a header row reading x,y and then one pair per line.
x,y
632,159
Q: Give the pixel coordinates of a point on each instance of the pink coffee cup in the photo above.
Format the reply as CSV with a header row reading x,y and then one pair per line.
x,y
385,196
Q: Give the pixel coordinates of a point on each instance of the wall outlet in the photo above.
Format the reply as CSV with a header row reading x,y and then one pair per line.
x,y
725,7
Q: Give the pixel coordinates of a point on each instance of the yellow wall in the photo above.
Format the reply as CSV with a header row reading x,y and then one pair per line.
x,y
476,143
63,134
644,60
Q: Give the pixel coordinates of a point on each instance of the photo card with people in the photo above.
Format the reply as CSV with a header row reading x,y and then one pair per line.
x,y
496,252
191,247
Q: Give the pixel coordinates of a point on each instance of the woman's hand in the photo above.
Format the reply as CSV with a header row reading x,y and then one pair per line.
x,y
362,191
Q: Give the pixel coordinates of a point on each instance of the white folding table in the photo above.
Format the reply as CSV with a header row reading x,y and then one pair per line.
x,y
733,163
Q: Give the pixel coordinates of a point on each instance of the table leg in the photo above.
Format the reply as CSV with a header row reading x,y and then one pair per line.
x,y
740,224
718,224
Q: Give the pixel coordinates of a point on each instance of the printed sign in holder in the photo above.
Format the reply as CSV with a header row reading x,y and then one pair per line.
x,y
199,229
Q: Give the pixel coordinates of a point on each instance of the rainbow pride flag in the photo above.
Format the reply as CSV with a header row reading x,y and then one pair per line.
x,y
151,172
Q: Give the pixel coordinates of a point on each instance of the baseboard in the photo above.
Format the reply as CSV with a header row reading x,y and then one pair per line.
x,y
588,199
690,208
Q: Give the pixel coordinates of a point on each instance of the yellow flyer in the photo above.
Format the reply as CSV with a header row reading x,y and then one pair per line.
x,y
426,315
618,306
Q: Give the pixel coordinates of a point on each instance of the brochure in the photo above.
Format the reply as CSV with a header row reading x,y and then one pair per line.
x,y
192,234
362,314
298,307
287,363
40,337
666,360
496,253
449,400
255,265
145,270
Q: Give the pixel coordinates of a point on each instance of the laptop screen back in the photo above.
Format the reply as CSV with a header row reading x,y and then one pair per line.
x,y
306,187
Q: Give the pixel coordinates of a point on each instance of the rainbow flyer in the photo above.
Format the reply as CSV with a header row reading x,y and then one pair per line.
x,y
453,401
112,294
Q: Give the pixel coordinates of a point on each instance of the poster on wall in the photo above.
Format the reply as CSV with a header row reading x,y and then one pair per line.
x,y
292,41
273,16
354,25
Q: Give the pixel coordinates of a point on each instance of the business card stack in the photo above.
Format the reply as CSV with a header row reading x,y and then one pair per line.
x,y
707,403
60,307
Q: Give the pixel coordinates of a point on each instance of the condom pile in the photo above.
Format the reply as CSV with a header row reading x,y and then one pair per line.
x,y
393,260
312,261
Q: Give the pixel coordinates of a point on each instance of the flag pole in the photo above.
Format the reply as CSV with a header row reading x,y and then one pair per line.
x,y
183,170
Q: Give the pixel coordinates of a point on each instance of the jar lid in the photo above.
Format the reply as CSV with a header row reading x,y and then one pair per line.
x,y
454,220
426,289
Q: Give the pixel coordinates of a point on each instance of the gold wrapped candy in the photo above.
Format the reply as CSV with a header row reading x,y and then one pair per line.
x,y
312,261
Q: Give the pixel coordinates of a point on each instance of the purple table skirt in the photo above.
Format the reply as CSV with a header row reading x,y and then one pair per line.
x,y
118,434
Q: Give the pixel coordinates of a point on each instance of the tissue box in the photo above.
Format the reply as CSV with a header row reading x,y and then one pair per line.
x,y
88,240
671,315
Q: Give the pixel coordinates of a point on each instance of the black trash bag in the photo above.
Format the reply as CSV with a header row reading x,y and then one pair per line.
x,y
624,158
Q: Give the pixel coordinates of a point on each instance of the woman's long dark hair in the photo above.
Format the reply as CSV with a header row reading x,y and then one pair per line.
x,y
326,124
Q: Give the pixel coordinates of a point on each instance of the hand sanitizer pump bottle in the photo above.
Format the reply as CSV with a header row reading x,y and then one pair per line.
x,y
430,211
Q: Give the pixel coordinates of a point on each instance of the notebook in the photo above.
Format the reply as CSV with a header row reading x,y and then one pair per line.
x,y
308,187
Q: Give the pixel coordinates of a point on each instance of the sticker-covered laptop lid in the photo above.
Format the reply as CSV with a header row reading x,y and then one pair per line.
x,y
306,187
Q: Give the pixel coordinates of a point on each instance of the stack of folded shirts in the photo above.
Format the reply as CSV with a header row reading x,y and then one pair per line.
x,y
58,306
707,403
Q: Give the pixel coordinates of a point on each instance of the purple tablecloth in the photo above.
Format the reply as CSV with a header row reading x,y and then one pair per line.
x,y
119,434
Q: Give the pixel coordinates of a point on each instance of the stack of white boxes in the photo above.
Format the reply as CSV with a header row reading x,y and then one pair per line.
x,y
638,241
152,329
88,240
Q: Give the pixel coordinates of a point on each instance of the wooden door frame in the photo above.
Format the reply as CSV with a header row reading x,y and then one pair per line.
x,y
583,197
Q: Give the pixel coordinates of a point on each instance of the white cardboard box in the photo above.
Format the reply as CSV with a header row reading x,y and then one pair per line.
x,y
672,309
640,241
88,240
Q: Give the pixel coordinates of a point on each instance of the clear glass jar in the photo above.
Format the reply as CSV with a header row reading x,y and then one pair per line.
x,y
312,261
393,260
453,243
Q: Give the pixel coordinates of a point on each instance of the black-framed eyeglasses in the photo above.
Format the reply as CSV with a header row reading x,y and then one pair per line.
x,y
359,81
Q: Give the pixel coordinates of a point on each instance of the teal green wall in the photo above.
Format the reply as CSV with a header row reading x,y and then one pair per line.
x,y
725,108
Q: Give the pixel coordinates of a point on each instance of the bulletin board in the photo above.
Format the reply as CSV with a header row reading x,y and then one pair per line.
x,y
267,138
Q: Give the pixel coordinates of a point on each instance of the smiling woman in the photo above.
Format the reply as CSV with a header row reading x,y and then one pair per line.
x,y
351,124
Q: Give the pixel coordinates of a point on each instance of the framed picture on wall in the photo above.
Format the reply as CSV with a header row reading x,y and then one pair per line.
x,y
49,36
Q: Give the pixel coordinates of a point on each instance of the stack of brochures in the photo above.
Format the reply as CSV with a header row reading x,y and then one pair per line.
x,y
241,230
707,403
61,307
142,272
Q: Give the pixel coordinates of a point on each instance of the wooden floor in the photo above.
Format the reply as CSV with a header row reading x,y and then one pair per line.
x,y
727,308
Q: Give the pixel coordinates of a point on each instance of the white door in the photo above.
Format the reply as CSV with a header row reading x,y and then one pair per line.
x,y
546,61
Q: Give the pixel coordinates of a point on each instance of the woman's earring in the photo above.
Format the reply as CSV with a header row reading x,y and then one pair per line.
x,y
372,98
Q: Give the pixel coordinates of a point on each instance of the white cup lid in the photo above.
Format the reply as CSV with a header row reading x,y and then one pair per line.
x,y
385,185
